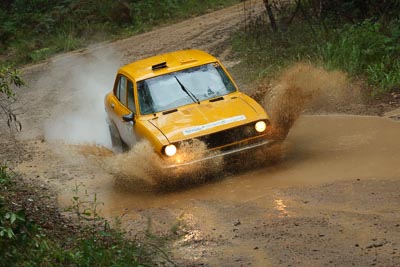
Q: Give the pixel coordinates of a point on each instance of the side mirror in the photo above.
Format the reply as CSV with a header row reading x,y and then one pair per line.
x,y
129,117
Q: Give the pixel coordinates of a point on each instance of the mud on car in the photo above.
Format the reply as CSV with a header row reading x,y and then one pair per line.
x,y
181,98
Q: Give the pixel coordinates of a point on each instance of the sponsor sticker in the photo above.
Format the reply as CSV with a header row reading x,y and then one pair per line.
x,y
210,125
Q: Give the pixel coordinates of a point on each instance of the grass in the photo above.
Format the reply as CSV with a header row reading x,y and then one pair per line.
x,y
368,50
265,53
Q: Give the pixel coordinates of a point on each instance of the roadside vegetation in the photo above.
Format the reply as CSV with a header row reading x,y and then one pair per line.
x,y
9,78
86,241
33,30
361,38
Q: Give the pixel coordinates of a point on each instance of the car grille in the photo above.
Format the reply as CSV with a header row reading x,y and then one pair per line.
x,y
229,136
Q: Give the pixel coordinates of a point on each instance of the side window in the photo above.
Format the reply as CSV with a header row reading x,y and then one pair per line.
x,y
131,98
145,99
121,90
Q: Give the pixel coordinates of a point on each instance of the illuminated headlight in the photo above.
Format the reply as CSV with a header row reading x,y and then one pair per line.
x,y
170,150
260,126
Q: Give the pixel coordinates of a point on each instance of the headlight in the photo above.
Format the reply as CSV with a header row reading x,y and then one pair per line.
x,y
260,126
170,150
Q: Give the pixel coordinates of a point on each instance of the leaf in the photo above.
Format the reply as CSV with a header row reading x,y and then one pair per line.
x,y
13,218
21,216
105,234
10,233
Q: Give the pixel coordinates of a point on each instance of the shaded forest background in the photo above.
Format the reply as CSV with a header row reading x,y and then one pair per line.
x,y
359,37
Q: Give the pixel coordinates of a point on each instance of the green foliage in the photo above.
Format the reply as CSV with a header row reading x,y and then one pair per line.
x,y
385,75
265,52
24,243
33,30
103,252
21,241
366,49
8,78
4,177
40,54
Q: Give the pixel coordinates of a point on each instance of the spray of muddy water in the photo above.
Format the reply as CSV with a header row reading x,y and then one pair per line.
x,y
299,87
81,122
141,169
79,116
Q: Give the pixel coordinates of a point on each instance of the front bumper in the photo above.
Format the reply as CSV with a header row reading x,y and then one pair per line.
x,y
222,153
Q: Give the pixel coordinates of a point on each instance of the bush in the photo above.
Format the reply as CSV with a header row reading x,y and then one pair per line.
x,y
8,79
24,243
366,49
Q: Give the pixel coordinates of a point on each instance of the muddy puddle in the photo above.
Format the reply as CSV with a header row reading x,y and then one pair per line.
x,y
320,149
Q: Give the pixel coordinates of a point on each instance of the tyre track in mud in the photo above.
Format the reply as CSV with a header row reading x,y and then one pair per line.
x,y
333,201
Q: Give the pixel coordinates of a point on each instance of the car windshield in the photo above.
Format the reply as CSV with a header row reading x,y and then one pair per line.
x,y
180,88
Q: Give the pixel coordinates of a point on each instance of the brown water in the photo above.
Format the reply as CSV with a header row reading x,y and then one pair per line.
x,y
321,149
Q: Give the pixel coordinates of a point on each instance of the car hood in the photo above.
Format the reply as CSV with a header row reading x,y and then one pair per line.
x,y
207,117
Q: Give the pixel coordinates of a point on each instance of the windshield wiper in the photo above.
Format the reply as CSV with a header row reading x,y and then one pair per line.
x,y
190,94
169,111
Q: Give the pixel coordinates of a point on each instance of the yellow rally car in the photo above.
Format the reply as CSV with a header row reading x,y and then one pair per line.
x,y
182,97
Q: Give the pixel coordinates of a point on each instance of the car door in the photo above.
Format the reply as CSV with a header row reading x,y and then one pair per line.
x,y
125,105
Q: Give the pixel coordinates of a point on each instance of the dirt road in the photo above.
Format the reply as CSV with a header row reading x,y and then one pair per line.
x,y
334,200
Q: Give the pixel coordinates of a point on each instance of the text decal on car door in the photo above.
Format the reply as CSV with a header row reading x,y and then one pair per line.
x,y
210,125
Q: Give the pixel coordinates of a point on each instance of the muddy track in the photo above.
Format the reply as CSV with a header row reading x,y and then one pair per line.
x,y
333,200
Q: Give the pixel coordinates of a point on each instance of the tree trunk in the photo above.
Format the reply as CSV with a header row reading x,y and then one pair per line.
x,y
271,16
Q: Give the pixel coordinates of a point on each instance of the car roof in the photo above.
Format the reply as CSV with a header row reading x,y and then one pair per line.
x,y
174,61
